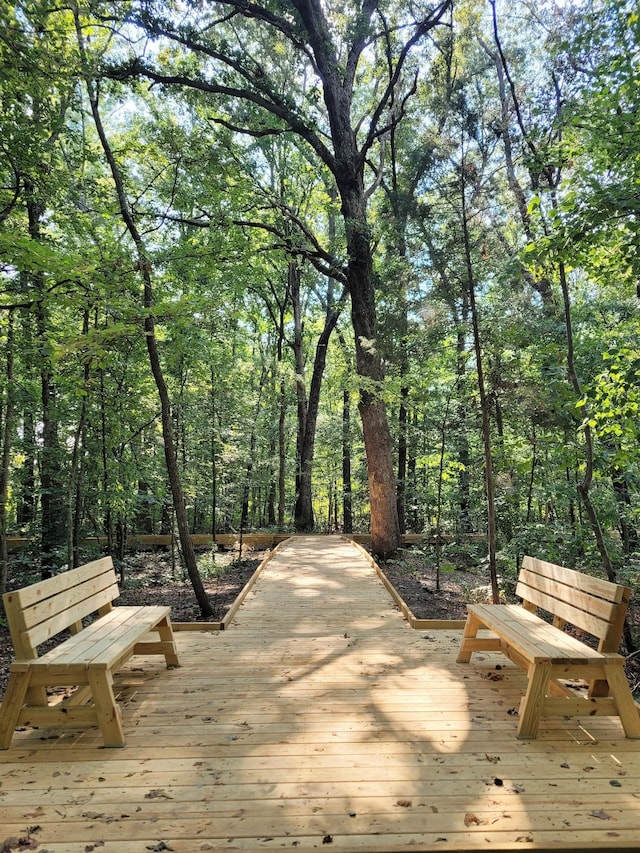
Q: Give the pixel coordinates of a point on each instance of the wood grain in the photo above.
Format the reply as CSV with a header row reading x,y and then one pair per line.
x,y
320,720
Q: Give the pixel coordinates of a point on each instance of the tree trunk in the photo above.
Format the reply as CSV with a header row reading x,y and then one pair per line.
x,y
347,165
282,455
303,512
401,496
412,448
142,518
384,525
465,524
144,267
26,492
304,506
246,489
214,462
5,452
106,483
347,505
25,499
52,512
484,403
272,491
443,444
73,484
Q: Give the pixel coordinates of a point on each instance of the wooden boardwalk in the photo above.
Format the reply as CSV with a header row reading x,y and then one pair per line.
x,y
321,720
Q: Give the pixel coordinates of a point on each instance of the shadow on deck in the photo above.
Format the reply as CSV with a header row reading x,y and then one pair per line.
x,y
322,720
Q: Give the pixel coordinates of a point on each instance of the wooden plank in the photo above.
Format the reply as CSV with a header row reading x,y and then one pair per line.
x,y
531,636
34,593
247,587
437,624
226,540
574,615
59,717
578,580
587,602
321,712
42,603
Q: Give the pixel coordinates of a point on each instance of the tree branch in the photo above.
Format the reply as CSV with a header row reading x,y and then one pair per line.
x,y
272,105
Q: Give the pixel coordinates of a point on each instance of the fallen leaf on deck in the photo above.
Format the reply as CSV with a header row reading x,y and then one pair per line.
x,y
157,794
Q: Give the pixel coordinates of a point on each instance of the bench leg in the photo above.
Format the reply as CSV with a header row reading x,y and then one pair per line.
x,y
471,628
108,713
166,636
531,705
14,697
37,697
621,692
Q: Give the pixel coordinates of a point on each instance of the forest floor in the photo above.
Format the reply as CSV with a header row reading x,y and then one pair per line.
x,y
151,577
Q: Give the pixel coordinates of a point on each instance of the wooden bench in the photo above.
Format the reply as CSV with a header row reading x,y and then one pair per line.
x,y
549,655
87,659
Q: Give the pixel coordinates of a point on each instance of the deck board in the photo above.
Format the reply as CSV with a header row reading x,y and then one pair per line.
x,y
321,720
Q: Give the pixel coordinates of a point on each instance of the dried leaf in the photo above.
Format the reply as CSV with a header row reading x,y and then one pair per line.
x,y
157,794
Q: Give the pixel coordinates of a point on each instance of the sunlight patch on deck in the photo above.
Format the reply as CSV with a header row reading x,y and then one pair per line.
x,y
323,716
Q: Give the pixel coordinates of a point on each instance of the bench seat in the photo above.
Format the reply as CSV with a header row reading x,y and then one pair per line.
x,y
521,632
552,658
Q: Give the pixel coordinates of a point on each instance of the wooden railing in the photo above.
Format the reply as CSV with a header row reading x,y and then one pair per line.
x,y
253,540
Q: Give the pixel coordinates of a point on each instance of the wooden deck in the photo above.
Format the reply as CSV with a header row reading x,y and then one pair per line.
x,y
321,720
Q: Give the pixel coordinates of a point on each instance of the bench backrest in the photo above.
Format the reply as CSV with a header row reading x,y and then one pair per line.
x,y
38,612
594,605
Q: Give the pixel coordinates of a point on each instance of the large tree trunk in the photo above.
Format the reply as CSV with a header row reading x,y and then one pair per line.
x,y
385,528
347,165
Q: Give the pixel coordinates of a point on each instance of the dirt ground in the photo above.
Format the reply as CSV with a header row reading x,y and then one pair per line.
x,y
150,578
